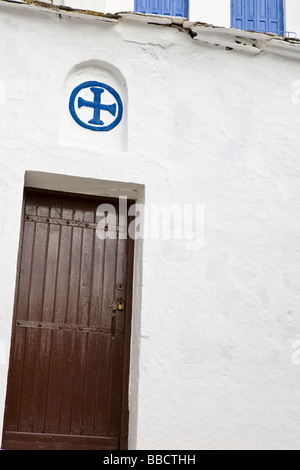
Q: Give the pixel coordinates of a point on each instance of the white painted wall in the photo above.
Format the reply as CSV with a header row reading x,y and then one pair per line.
x,y
213,121
216,12
93,5
293,16
119,5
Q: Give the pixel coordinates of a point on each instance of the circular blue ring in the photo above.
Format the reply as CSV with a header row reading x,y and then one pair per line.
x,y
88,126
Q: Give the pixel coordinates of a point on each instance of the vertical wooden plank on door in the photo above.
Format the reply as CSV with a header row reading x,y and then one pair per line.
x,y
74,352
69,358
86,268
21,310
97,346
102,385
56,372
90,399
67,385
44,359
91,340
15,380
26,259
35,308
102,418
82,338
52,262
116,378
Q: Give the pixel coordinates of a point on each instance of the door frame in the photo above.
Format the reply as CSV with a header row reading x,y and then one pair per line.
x,y
124,431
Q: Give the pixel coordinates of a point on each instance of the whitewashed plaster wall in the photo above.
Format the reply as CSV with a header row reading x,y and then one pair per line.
x,y
212,120
292,18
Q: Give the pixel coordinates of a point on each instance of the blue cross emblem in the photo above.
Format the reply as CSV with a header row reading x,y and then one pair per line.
x,y
102,112
97,105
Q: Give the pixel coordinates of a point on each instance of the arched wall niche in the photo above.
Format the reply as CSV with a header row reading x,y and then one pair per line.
x,y
93,111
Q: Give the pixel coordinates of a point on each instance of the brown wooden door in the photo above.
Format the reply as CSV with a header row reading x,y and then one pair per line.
x,y
68,377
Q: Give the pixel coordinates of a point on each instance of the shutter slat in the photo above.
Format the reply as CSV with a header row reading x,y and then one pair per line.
x,y
155,6
141,6
181,8
237,14
276,16
166,7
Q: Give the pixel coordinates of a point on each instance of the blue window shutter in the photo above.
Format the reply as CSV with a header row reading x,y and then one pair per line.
x,y
237,14
141,6
166,7
180,8
251,15
276,16
262,16
258,15
163,7
155,7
